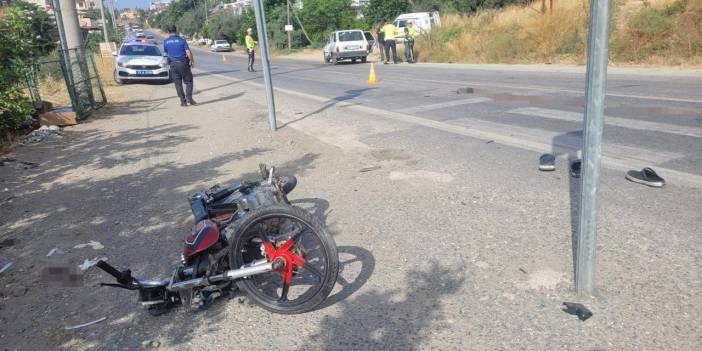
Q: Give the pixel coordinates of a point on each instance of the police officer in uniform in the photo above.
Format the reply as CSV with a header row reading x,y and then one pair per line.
x,y
390,31
180,58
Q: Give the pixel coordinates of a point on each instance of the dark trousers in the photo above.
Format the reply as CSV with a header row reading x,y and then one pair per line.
x,y
390,46
182,74
252,55
381,46
409,50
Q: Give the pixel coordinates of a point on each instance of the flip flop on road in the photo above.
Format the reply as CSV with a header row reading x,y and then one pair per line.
x,y
547,162
575,168
646,176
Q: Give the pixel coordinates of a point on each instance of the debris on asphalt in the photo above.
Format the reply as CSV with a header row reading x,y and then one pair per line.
x,y
150,343
6,267
96,245
489,142
41,134
522,270
86,324
19,290
577,309
7,243
54,251
368,169
89,263
465,91
64,276
19,164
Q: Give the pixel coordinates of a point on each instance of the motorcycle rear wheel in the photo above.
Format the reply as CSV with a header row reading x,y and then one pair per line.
x,y
311,283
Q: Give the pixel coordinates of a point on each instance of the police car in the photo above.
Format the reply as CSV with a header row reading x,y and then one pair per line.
x,y
139,60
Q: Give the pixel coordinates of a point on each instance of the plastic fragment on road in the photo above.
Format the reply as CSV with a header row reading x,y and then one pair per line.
x,y
465,91
54,251
89,263
86,324
96,245
577,309
6,267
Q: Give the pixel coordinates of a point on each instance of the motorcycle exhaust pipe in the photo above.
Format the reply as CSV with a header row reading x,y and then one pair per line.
x,y
257,267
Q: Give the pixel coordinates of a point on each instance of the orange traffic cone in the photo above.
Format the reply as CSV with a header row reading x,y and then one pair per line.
x,y
371,77
224,59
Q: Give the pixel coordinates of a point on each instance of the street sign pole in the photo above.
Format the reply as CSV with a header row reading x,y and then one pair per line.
x,y
265,59
598,42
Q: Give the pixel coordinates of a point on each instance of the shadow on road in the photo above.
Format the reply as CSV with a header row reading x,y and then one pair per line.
x,y
395,319
348,95
570,144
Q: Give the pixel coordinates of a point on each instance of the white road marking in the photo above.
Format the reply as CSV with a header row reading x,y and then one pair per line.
x,y
613,162
565,143
613,121
440,105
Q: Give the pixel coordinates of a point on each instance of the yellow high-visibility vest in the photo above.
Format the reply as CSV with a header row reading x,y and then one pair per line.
x,y
250,43
390,31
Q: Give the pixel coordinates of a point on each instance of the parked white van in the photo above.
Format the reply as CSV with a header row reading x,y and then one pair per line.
x,y
423,21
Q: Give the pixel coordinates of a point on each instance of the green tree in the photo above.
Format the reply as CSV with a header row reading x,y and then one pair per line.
x,y
381,11
20,43
323,16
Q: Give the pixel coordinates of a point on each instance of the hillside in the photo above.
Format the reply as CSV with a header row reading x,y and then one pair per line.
x,y
652,32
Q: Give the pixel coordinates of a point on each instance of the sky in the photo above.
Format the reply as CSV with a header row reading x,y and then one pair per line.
x,y
123,4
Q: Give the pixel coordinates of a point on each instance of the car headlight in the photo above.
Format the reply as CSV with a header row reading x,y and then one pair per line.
x,y
164,64
121,63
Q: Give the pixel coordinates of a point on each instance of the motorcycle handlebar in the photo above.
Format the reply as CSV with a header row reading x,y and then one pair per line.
x,y
122,277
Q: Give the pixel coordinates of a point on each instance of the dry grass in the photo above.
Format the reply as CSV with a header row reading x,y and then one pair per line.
x,y
105,68
522,34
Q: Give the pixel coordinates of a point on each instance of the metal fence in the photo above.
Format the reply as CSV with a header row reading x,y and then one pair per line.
x,y
67,78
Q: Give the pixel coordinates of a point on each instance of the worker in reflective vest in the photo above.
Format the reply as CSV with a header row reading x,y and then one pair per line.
x,y
390,31
410,36
250,45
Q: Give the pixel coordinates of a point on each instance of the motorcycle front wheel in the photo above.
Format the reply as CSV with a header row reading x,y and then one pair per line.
x,y
297,232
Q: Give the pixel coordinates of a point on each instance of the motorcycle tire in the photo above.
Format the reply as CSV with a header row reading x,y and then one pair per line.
x,y
264,289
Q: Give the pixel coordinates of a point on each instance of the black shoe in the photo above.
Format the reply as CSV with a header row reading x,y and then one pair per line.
x,y
575,168
183,104
192,102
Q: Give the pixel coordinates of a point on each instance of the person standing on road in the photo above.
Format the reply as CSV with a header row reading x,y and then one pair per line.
x,y
380,41
250,45
390,31
410,36
180,58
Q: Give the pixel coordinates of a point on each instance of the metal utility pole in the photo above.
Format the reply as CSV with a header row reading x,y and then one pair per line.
x,y
104,23
287,29
265,59
206,12
114,20
600,13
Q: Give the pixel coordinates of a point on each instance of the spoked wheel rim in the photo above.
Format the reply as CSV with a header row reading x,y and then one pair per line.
x,y
302,260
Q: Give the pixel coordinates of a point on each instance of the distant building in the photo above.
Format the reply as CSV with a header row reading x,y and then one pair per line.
x,y
159,5
359,3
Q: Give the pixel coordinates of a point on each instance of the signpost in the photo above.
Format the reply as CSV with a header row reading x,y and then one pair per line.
x,y
265,59
600,12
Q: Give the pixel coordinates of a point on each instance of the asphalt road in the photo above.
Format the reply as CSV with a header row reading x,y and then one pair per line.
x,y
652,118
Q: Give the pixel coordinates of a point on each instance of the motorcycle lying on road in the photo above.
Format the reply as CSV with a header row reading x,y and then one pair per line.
x,y
246,235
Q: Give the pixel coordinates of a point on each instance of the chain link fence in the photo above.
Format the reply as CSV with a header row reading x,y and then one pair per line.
x,y
67,78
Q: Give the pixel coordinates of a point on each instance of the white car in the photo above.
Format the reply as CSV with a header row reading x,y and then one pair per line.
x,y
141,61
346,45
220,45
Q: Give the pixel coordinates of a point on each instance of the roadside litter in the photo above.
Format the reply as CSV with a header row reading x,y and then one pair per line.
x,y
42,134
646,176
96,245
577,309
18,164
86,324
465,91
54,251
6,267
368,169
89,263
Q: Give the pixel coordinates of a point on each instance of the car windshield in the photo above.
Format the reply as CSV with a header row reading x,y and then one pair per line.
x,y
350,36
140,50
220,41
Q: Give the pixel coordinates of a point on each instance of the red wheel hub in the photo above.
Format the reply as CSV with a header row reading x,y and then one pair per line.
x,y
284,253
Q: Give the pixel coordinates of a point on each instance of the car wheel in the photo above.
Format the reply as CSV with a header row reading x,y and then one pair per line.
x,y
353,60
364,59
117,79
334,60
